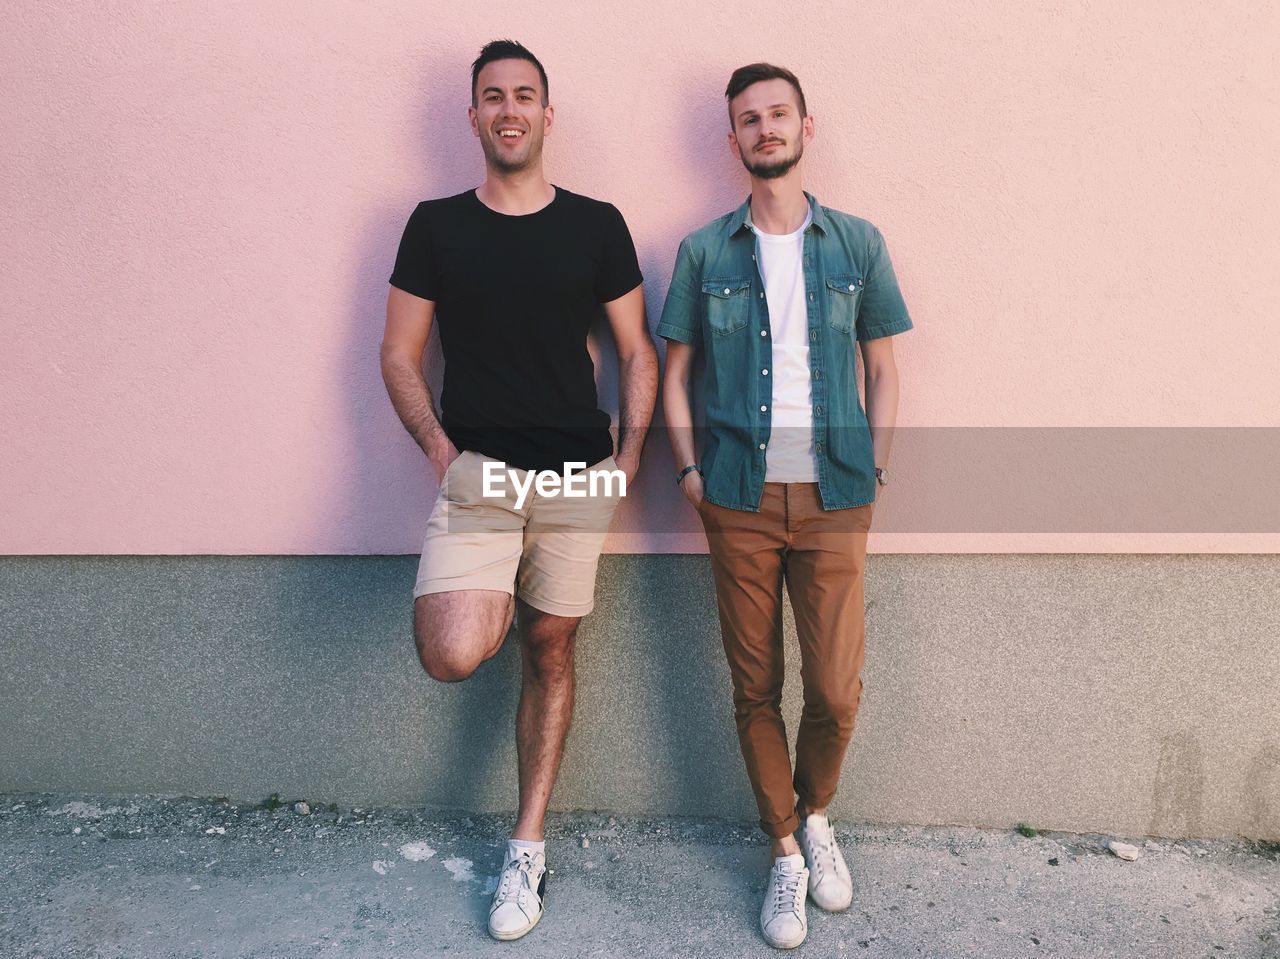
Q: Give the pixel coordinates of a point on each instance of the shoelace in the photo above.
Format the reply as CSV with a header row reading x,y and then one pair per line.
x,y
787,891
518,871
823,855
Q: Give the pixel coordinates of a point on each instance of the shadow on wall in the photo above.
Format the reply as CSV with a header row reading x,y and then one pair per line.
x,y
1264,785
699,146
723,183
392,485
663,678
1178,792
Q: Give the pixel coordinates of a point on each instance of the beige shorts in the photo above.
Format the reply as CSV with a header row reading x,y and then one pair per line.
x,y
545,548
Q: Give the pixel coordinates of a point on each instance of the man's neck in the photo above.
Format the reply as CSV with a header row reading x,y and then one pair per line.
x,y
779,206
517,193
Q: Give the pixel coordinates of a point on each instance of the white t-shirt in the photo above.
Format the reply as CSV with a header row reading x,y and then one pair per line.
x,y
789,457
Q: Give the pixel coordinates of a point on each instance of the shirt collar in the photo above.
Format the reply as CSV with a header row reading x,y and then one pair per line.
x,y
741,218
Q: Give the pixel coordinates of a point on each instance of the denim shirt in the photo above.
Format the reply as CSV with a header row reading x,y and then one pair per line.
x,y
717,303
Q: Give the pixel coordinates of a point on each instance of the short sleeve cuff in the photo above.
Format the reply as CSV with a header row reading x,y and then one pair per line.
x,y
413,289
623,288
900,325
669,331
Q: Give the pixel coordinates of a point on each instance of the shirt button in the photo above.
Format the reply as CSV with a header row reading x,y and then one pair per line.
x,y
813,335
726,291
764,372
810,297
762,294
764,409
762,446
818,447
817,374
764,332
851,287
817,410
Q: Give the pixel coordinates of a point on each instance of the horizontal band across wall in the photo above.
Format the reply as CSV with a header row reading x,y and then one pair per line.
x,y
1127,694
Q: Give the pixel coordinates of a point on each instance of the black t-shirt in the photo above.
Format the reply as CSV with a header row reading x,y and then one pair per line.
x,y
515,297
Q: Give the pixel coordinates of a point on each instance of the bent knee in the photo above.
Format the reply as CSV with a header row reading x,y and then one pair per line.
x,y
445,665
451,647
443,660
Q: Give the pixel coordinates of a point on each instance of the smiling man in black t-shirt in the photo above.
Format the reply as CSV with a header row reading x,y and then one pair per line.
x,y
515,272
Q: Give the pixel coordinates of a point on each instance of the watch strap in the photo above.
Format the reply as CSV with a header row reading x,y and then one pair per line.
x,y
686,471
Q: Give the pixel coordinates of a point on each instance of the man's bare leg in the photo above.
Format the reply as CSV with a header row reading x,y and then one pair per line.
x,y
545,712
457,631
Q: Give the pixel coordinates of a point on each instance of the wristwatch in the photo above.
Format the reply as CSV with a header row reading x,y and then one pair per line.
x,y
882,476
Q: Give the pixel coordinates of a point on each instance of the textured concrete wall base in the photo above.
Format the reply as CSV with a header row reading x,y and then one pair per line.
x,y
1126,694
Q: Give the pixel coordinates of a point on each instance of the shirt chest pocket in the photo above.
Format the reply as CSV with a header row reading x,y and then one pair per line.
x,y
728,304
844,293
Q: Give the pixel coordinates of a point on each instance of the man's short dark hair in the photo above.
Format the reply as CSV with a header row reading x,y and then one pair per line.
x,y
506,50
743,77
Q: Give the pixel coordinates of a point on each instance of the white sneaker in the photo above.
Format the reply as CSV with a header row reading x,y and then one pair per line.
x,y
517,903
829,881
782,919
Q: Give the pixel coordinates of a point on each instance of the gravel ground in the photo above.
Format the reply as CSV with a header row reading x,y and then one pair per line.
x,y
84,876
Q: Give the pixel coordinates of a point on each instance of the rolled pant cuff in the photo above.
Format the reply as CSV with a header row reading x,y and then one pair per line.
x,y
776,830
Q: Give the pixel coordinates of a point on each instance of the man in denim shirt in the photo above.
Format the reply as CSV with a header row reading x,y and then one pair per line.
x,y
777,296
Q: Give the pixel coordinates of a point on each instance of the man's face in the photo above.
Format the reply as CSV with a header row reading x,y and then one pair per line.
x,y
509,117
768,131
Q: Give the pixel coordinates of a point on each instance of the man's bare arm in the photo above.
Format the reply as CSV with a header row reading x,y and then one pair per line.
x,y
404,342
881,384
637,376
679,415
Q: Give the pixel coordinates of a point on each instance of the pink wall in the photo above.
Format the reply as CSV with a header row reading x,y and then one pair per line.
x,y
201,205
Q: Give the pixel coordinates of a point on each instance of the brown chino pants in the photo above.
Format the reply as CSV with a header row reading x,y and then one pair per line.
x,y
821,556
